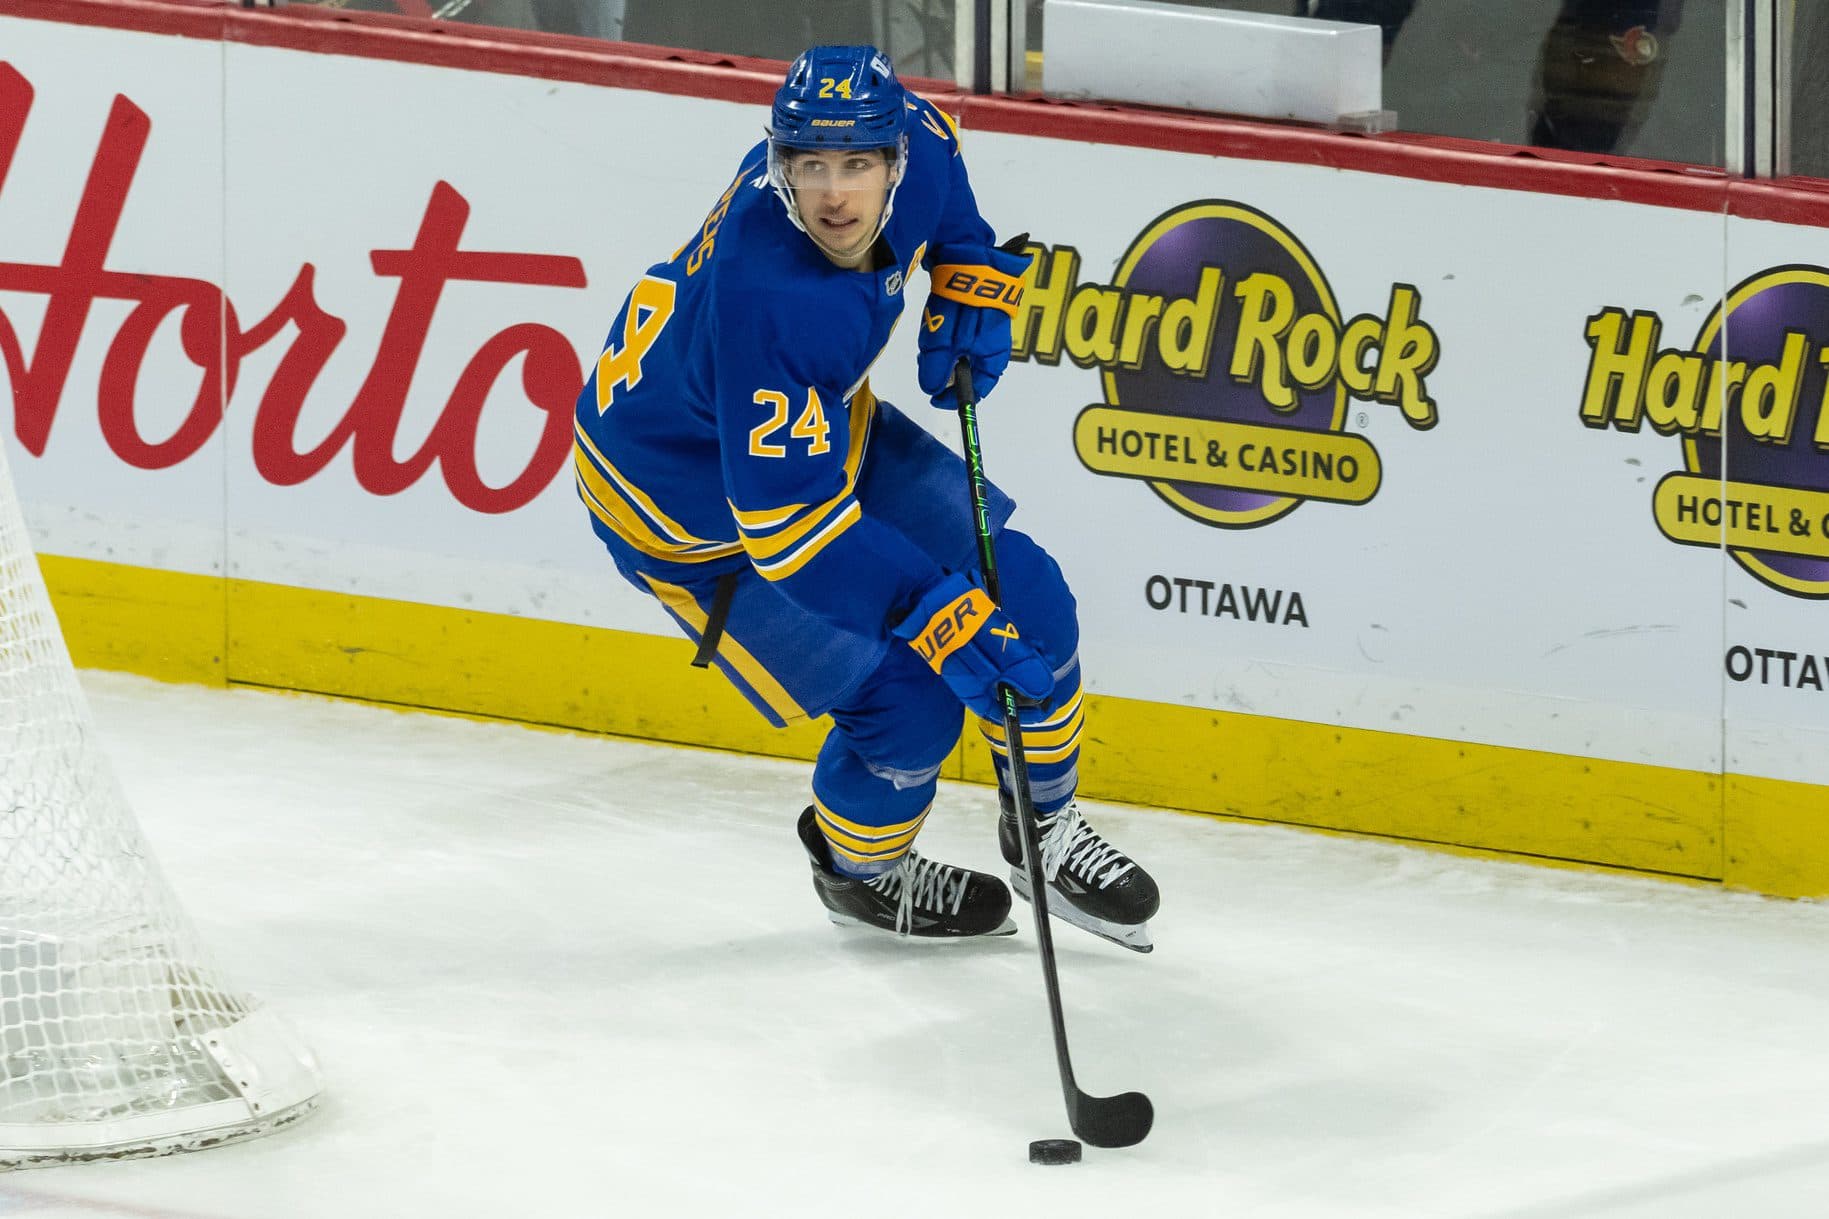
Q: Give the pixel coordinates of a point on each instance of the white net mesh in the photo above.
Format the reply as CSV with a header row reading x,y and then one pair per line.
x,y
117,1037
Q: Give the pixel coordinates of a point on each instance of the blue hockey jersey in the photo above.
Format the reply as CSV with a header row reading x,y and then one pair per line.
x,y
728,418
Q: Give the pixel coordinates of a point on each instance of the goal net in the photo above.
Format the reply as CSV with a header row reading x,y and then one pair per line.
x,y
117,1035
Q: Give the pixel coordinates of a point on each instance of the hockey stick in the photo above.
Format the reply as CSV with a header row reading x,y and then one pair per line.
x,y
1103,1121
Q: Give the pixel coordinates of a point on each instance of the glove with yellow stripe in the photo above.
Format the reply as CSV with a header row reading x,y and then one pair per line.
x,y
975,294
974,647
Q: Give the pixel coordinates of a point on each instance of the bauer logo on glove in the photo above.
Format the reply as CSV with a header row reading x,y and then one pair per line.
x,y
986,287
974,647
953,627
975,295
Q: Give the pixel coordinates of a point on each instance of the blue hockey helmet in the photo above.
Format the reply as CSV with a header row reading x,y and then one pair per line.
x,y
838,99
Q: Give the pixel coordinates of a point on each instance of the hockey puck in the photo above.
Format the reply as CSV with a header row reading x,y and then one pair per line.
x,y
1054,1151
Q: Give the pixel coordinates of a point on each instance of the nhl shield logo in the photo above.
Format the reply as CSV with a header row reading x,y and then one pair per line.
x,y
893,283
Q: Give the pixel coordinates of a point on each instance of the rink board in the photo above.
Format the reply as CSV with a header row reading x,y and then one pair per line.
x,y
1652,819
1380,518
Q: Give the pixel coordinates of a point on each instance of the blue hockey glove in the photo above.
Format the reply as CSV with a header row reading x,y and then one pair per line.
x,y
973,646
976,291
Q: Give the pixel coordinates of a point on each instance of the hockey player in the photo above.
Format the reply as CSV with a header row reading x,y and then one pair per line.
x,y
811,539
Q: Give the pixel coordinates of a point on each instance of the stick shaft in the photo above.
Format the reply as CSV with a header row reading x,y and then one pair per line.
x,y
1012,735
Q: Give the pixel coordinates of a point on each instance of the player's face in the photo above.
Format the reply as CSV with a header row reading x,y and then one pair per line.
x,y
841,196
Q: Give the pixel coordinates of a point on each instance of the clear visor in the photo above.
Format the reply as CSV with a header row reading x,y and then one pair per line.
x,y
836,171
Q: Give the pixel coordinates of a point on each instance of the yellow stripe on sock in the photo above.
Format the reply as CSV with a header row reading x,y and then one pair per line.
x,y
883,854
1041,736
867,832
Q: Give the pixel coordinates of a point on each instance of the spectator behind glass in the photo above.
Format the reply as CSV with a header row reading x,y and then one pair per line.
x,y
1598,72
1601,66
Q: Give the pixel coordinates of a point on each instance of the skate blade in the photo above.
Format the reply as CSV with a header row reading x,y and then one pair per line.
x,y
845,920
1134,936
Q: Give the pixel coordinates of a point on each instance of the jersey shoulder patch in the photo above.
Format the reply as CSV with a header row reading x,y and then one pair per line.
x,y
937,121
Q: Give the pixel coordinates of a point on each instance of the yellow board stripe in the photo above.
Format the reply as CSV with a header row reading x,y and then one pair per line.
x,y
760,679
1486,799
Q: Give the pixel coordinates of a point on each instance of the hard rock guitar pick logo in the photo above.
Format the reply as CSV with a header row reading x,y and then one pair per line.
x,y
1226,364
1746,400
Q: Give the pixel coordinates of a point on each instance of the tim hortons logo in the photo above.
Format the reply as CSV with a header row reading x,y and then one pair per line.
x,y
214,339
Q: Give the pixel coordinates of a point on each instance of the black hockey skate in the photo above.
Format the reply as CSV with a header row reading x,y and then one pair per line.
x,y
1092,884
916,897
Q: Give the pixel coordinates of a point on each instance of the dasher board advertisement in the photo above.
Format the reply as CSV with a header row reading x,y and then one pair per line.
x,y
1318,448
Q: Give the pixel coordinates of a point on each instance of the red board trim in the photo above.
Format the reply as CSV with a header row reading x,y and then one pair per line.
x,y
743,79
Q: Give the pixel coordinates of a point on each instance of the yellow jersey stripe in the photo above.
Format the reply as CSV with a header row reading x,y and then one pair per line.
x,y
758,522
770,545
634,535
766,518
660,520
862,399
729,650
628,523
863,414
799,557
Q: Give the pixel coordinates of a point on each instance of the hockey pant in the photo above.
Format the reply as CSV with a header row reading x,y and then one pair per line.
x,y
880,764
894,721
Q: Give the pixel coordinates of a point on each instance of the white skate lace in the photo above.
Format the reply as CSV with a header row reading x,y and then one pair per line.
x,y
1067,839
920,882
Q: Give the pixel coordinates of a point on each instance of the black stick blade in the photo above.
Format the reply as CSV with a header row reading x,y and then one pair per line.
x,y
1112,1121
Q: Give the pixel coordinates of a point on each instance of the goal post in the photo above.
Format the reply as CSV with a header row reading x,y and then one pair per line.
x,y
118,1037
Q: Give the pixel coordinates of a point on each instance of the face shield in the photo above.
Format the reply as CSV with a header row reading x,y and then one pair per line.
x,y
840,197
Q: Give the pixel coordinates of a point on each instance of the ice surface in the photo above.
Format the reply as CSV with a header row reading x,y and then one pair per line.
x,y
553,975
